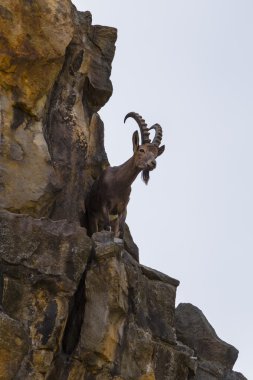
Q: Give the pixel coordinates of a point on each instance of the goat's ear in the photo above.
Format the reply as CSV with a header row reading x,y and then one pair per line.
x,y
161,150
135,141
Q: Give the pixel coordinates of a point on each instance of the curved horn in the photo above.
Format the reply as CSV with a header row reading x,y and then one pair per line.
x,y
142,124
158,134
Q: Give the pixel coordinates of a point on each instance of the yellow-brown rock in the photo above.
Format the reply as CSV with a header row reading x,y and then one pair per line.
x,y
34,36
13,346
42,262
54,74
30,60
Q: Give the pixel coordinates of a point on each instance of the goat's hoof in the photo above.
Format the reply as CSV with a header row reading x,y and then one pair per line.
x,y
118,241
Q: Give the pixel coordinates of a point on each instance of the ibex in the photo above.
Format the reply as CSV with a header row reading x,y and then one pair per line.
x,y
106,205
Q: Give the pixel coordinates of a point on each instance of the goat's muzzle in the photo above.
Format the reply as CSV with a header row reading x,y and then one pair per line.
x,y
151,164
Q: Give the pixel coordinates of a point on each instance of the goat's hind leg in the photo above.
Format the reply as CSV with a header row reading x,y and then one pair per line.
x,y
115,227
120,224
106,219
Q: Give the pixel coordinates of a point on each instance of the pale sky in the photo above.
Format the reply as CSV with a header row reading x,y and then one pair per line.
x,y
188,65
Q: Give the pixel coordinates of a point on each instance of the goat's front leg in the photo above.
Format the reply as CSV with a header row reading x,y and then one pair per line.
x,y
106,219
115,226
119,225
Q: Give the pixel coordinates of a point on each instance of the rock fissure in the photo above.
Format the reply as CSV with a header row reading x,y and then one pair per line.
x,y
75,319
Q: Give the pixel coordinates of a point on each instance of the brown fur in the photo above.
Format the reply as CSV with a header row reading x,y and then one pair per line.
x,y
106,205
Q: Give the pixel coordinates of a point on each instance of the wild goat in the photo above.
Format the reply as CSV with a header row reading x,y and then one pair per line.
x,y
106,205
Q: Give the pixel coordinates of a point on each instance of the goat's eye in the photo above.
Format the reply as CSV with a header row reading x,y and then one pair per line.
x,y
142,150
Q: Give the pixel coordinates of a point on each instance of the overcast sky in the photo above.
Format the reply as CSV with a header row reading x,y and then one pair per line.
x,y
188,64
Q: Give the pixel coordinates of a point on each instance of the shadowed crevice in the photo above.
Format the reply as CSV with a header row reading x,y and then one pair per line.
x,y
76,314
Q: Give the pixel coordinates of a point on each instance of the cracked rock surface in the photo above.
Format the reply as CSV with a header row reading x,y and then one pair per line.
x,y
216,358
72,307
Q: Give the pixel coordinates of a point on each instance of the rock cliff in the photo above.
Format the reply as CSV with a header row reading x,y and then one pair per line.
x,y
72,307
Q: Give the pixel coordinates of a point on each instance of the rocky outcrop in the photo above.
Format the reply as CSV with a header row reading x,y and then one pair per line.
x,y
42,264
216,358
54,77
79,308
128,329
72,311
74,307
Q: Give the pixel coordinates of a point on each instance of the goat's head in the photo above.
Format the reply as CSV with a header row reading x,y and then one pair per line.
x,y
145,153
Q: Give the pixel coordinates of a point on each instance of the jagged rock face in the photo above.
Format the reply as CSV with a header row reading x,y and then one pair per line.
x,y
216,357
54,77
72,307
73,315
34,36
128,330
42,262
28,52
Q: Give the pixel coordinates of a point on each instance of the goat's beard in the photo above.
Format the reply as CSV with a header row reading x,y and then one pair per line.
x,y
145,176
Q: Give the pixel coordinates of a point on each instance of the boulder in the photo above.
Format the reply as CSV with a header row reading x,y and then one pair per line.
x,y
216,358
